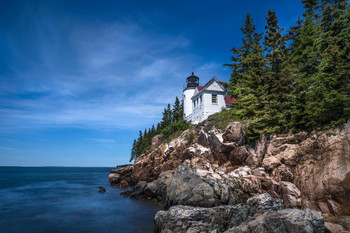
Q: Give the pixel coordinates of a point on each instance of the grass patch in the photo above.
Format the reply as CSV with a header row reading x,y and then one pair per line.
x,y
174,130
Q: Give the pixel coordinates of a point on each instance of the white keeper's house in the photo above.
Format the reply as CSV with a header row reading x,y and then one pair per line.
x,y
202,101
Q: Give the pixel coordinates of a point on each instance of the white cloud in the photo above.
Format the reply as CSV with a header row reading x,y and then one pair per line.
x,y
123,76
104,140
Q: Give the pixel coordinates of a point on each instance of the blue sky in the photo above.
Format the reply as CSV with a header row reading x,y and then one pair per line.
x,y
78,79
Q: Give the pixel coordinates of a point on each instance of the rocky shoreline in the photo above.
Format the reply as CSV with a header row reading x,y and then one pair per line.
x,y
214,179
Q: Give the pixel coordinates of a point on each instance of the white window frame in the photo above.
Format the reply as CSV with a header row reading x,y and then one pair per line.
x,y
214,97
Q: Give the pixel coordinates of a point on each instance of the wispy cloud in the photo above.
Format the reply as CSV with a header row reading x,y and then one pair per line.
x,y
114,76
104,140
7,148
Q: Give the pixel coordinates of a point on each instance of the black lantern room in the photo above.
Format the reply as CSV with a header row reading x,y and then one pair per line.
x,y
192,81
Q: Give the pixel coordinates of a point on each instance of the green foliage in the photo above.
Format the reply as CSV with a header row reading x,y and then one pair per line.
x,y
174,130
172,125
302,86
191,137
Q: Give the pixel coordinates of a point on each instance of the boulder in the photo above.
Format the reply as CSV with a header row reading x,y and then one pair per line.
x,y
101,190
334,228
113,178
125,173
261,214
283,221
234,133
123,184
202,138
156,141
271,163
217,145
290,194
149,166
239,155
187,187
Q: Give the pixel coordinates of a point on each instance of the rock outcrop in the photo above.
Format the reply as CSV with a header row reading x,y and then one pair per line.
x,y
261,214
164,157
318,164
305,170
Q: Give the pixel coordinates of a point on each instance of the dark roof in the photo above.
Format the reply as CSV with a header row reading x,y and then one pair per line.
x,y
229,99
199,88
192,76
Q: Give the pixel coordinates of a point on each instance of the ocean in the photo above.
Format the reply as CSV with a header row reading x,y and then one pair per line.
x,y
66,199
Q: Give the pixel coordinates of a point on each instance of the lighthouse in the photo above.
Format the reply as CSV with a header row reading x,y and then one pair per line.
x,y
191,83
202,101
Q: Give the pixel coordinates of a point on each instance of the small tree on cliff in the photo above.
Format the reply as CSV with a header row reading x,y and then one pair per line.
x,y
248,68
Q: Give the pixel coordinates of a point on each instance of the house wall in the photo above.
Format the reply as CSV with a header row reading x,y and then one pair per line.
x,y
206,108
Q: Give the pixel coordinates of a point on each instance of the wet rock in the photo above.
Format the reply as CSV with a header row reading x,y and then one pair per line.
x,y
123,184
118,175
101,190
114,178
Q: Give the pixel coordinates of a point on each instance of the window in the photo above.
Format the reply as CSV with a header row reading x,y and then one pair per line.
x,y
214,98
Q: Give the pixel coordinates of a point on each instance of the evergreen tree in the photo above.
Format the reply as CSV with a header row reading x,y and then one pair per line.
x,y
167,117
153,131
305,58
311,7
278,81
238,68
133,151
248,68
329,93
177,110
139,143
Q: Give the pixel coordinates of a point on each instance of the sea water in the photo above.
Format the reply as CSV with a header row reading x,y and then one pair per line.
x,y
66,199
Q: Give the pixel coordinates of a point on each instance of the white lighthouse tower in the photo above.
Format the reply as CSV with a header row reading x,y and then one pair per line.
x,y
191,83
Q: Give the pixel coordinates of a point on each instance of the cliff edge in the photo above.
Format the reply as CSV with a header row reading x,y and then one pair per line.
x,y
220,168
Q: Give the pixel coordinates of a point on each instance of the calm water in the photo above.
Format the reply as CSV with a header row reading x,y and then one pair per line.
x,y
57,199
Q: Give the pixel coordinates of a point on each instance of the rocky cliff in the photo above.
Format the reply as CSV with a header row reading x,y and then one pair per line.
x,y
221,167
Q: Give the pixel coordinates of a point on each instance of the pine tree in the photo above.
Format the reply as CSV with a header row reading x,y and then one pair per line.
x,y
177,111
311,7
239,68
330,95
305,58
139,144
153,131
167,117
276,112
248,67
133,151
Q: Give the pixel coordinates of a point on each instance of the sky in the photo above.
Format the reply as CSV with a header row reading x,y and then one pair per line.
x,y
80,78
